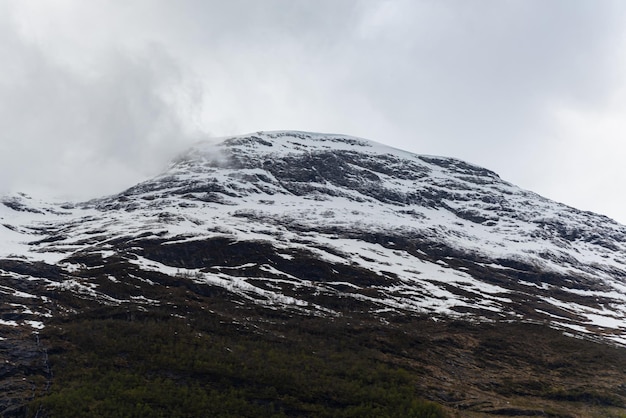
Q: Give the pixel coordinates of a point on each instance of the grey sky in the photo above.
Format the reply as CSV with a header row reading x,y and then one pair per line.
x,y
97,95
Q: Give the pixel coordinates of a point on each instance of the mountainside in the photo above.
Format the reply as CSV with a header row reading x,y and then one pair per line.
x,y
275,227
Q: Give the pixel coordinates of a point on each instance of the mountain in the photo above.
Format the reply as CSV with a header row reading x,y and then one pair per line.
x,y
493,299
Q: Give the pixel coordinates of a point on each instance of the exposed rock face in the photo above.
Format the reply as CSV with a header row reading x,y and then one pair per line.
x,y
434,234
316,224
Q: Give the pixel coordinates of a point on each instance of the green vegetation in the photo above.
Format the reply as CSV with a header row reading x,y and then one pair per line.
x,y
164,366
200,354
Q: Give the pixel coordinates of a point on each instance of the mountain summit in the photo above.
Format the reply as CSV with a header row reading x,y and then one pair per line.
x,y
316,225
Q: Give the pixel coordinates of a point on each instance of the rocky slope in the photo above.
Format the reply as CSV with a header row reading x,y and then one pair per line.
x,y
313,225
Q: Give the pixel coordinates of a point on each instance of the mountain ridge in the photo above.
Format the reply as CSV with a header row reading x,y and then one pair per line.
x,y
344,186
325,225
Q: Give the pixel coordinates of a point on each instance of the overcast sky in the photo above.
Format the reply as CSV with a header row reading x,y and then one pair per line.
x,y
98,95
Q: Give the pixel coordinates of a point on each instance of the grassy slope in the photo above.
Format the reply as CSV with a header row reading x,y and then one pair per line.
x,y
164,366
245,361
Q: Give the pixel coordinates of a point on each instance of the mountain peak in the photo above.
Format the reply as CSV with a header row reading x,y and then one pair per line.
x,y
275,142
310,149
300,140
350,196
284,224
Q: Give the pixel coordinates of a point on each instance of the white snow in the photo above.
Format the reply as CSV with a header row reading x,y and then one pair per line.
x,y
518,225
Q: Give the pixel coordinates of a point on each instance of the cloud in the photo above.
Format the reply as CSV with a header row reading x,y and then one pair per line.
x,y
109,89
488,67
92,132
586,150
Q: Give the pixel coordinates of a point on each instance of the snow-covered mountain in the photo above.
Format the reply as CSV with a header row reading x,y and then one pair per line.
x,y
496,300
320,224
